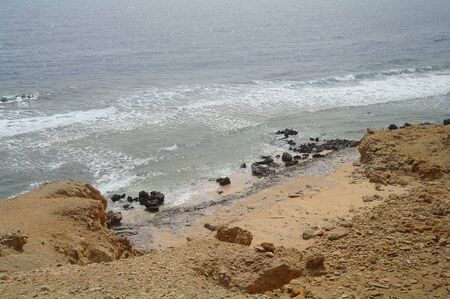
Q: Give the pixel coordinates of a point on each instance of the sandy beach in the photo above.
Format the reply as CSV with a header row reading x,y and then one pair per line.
x,y
375,224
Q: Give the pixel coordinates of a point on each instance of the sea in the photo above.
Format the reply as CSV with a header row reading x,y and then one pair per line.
x,y
165,94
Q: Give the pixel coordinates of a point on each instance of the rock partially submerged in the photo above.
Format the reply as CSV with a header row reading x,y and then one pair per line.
x,y
333,144
287,132
261,170
151,201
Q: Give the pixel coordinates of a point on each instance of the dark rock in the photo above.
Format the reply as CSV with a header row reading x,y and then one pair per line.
x,y
143,196
311,139
333,144
318,155
287,132
243,165
286,157
392,127
152,209
266,161
277,156
223,181
446,122
317,139
130,199
291,163
117,197
127,207
406,125
151,201
113,218
296,157
290,142
261,170
158,196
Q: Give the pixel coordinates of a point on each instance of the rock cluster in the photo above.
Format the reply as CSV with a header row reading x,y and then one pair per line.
x,y
151,201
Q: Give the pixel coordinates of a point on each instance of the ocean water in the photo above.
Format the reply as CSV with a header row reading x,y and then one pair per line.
x,y
161,95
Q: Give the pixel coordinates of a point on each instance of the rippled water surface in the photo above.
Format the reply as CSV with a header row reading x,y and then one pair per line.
x,y
132,95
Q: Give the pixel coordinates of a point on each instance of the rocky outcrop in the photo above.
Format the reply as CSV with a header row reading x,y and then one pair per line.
x,y
62,222
399,156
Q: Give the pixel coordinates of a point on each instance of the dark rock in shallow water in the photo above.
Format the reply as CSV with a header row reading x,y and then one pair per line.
x,y
406,125
151,201
223,181
392,127
117,197
286,157
287,132
446,122
130,199
143,196
158,196
318,155
261,170
290,142
291,163
127,207
243,165
333,144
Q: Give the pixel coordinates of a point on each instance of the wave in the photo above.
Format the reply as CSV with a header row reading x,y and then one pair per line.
x,y
378,75
19,97
13,127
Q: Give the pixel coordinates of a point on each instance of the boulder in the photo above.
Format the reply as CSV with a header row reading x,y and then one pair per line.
x,y
286,157
446,122
223,181
234,235
143,197
261,170
158,196
243,165
392,127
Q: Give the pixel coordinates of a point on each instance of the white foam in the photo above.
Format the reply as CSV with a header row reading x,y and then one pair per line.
x,y
13,127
